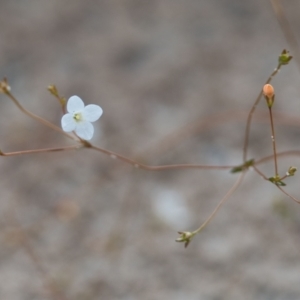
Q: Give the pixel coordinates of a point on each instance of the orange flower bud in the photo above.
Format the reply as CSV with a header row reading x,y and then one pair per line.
x,y
268,90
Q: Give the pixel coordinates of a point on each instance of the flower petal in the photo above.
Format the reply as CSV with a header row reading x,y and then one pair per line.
x,y
92,112
75,104
84,130
68,123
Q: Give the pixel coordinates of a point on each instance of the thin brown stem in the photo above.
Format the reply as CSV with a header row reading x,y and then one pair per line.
x,y
287,194
248,124
61,101
260,173
273,142
280,154
284,177
157,168
40,150
37,118
118,156
223,200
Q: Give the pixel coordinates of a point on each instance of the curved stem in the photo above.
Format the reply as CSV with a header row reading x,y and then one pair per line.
x,y
37,118
285,153
287,194
157,168
224,199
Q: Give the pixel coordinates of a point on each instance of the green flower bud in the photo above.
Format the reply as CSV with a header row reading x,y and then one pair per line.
x,y
284,57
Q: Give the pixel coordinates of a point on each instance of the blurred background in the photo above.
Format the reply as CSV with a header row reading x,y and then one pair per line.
x,y
175,79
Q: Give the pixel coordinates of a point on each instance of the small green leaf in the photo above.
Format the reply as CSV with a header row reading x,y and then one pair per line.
x,y
237,169
243,167
280,183
277,181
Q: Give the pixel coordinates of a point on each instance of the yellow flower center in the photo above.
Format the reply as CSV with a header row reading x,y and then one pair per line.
x,y
77,117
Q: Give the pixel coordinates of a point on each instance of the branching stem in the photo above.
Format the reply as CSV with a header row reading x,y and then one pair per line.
x,y
37,118
249,119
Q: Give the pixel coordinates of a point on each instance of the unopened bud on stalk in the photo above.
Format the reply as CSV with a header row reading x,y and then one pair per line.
x,y
284,57
185,236
4,87
53,90
291,171
268,92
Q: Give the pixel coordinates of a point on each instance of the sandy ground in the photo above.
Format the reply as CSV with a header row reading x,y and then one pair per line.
x,y
97,228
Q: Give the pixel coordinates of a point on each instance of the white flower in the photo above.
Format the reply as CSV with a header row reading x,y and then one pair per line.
x,y
79,118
